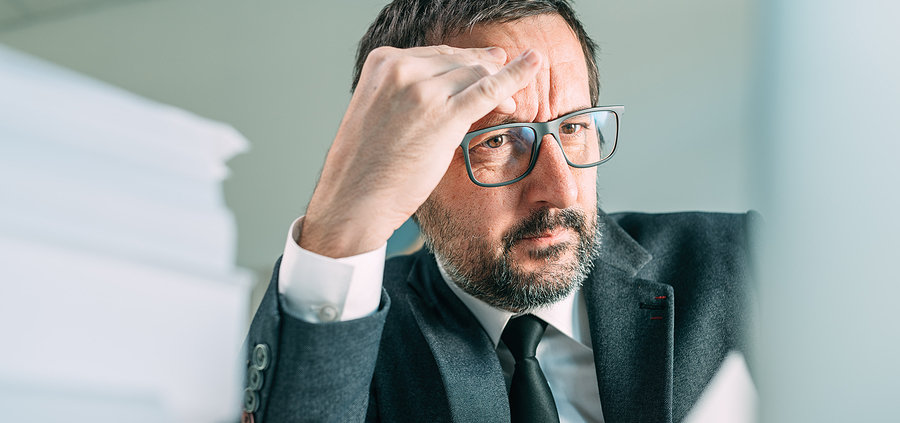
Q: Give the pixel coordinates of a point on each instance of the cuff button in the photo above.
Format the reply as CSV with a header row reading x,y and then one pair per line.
x,y
251,400
254,379
261,356
328,313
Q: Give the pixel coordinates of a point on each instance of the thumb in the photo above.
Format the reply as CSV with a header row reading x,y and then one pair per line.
x,y
490,91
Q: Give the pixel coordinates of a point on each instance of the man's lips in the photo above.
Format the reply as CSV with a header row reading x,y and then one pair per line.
x,y
559,234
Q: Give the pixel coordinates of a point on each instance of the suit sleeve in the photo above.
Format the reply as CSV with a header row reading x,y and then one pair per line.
x,y
316,372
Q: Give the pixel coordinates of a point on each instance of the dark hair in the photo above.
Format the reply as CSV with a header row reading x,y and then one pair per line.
x,y
415,23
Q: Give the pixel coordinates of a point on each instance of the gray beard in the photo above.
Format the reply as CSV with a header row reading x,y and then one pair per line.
x,y
499,280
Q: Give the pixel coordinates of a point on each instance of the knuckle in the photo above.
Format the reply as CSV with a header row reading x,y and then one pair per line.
x,y
480,71
489,88
403,68
419,93
443,49
380,54
378,62
397,69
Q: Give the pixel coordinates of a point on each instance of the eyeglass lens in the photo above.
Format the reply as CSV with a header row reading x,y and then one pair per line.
x,y
505,154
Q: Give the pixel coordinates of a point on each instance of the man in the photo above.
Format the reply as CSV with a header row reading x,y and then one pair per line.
x,y
447,126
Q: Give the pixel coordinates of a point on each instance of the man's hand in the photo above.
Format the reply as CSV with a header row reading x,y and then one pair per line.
x,y
411,109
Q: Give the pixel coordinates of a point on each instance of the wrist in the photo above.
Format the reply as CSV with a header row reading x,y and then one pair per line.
x,y
339,235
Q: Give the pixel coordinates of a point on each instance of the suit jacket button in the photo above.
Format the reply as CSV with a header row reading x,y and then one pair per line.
x,y
246,418
251,400
261,356
254,379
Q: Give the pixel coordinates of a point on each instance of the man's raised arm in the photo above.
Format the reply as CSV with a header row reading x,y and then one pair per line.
x,y
410,111
408,115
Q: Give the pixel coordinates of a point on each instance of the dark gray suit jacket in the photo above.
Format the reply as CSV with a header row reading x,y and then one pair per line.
x,y
669,297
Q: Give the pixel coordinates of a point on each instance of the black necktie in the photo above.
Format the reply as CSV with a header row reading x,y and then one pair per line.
x,y
530,399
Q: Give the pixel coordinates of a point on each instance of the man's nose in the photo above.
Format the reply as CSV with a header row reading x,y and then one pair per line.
x,y
552,181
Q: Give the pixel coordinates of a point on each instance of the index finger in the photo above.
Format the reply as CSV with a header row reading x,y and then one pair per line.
x,y
490,91
488,54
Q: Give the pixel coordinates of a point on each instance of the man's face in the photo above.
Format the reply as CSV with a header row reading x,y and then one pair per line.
x,y
530,243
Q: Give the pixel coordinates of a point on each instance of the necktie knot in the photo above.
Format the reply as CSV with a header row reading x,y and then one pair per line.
x,y
522,335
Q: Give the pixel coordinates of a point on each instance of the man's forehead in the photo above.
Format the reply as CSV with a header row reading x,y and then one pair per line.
x,y
560,87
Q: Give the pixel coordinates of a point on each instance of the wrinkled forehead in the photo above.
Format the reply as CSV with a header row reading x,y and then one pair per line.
x,y
560,87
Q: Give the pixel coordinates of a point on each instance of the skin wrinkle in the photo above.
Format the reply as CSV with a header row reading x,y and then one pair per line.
x,y
477,233
536,103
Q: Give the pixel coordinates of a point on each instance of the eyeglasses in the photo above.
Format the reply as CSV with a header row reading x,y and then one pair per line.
x,y
503,154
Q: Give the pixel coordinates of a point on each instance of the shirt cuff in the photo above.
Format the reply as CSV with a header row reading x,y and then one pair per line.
x,y
323,289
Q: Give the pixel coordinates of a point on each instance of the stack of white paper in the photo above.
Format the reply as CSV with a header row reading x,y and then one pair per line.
x,y
119,298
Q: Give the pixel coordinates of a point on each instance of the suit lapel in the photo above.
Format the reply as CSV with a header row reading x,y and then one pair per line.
x,y
632,327
464,353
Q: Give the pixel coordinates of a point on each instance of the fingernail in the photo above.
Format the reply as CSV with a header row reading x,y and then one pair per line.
x,y
497,52
531,57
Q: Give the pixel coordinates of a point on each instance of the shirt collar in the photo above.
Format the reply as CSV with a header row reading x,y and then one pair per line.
x,y
561,315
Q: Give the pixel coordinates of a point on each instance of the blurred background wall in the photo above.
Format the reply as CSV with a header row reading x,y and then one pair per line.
x,y
828,181
279,72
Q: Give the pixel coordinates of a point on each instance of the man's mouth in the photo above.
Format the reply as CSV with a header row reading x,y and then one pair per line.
x,y
548,237
544,231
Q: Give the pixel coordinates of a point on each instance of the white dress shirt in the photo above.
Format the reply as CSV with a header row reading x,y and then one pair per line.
x,y
323,289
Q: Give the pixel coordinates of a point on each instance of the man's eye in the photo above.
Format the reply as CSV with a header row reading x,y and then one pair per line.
x,y
571,128
495,142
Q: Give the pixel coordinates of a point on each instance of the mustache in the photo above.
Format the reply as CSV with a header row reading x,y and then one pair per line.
x,y
543,221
